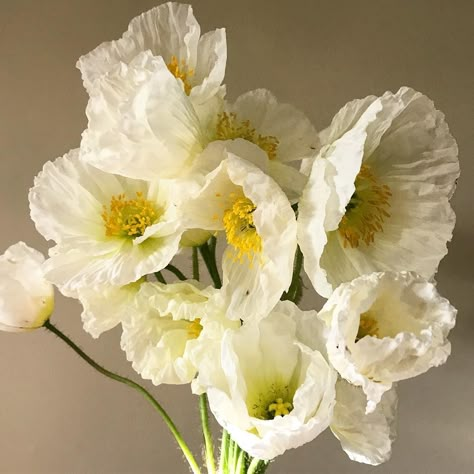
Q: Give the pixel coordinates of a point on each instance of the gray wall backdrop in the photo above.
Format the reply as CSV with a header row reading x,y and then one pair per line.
x,y
59,416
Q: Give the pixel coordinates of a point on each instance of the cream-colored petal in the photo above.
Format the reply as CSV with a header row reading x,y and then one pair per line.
x,y
105,307
297,138
366,438
210,66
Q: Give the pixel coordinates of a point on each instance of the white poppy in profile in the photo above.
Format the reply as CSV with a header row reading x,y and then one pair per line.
x,y
108,229
366,438
26,298
378,195
268,389
168,327
241,201
170,31
386,327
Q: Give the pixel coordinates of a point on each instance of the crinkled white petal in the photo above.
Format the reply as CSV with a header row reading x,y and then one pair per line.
x,y
210,66
161,336
106,306
258,363
155,132
407,146
287,177
366,438
67,203
26,297
411,322
169,30
252,285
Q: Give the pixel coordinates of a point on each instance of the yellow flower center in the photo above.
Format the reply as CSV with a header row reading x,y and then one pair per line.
x,y
240,229
180,70
367,326
128,217
279,408
229,128
366,211
194,328
274,400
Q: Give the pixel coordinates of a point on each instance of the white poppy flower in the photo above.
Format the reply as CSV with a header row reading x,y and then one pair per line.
x,y
366,438
386,327
260,228
378,195
142,124
108,229
170,31
26,298
168,327
269,390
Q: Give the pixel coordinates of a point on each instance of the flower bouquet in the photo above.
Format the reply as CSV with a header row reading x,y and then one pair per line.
x,y
255,196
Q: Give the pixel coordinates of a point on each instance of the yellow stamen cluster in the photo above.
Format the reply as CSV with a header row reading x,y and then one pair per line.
x,y
181,71
367,326
229,127
279,408
366,211
128,217
240,229
274,400
195,328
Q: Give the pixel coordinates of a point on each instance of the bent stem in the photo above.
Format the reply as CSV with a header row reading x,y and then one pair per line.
x,y
208,253
176,271
172,427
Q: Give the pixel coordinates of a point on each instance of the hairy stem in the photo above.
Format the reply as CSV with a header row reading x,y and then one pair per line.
x,y
203,409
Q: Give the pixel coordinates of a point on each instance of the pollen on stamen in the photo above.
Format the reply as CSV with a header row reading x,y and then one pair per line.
x,y
240,229
128,217
367,326
195,328
229,127
367,210
180,70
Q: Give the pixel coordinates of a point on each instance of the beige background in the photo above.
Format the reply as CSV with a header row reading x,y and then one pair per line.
x,y
56,414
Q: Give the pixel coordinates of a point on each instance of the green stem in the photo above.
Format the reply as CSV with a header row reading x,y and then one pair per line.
x,y
195,264
257,466
210,461
210,261
172,427
292,292
176,271
240,465
224,459
160,278
254,464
